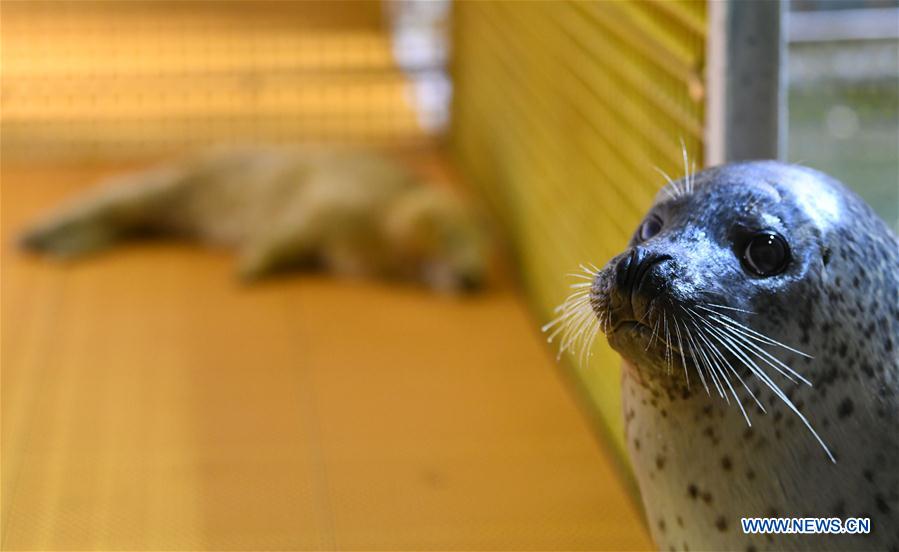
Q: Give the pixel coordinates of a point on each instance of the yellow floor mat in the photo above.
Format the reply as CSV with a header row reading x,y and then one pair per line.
x,y
150,402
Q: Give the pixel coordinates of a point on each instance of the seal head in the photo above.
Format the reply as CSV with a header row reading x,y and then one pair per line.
x,y
733,241
757,312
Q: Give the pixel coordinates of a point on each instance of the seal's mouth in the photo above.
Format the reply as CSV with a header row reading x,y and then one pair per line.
x,y
631,325
652,334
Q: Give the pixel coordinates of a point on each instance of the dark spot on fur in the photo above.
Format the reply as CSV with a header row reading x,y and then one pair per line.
x,y
710,433
660,462
845,409
726,463
843,350
869,476
692,490
750,475
881,503
637,444
680,521
662,525
866,368
839,509
721,524
707,497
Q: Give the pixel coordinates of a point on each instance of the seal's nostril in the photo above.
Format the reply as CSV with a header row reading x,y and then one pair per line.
x,y
646,263
633,288
632,269
628,267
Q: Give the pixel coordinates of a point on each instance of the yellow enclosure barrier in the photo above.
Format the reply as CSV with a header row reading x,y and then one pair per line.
x,y
562,111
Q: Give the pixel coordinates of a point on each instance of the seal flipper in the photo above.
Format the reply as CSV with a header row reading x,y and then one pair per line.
x,y
122,208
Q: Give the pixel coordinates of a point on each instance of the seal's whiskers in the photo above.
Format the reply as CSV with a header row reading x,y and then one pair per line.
x,y
761,337
723,362
713,375
668,351
689,175
695,362
577,323
710,334
727,308
677,190
738,340
735,350
680,348
766,357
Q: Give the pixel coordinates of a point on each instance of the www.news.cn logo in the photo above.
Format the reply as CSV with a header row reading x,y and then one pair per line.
x,y
809,526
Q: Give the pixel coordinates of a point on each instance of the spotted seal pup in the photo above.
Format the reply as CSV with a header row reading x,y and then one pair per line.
x,y
757,312
355,212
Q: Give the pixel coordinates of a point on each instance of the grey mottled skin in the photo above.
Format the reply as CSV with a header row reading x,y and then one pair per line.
x,y
699,466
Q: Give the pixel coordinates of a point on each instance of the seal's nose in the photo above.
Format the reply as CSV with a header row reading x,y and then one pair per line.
x,y
636,282
625,272
633,269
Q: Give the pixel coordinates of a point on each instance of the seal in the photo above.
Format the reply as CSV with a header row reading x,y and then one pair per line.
x,y
353,212
757,313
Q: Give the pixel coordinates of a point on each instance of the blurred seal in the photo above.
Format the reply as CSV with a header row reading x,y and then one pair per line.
x,y
353,212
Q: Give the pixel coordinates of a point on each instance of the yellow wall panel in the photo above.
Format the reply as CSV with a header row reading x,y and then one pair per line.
x,y
562,112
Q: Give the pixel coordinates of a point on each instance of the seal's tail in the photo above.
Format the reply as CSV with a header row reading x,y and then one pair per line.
x,y
126,206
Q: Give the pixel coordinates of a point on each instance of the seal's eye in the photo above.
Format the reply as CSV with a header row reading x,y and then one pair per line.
x,y
650,227
766,254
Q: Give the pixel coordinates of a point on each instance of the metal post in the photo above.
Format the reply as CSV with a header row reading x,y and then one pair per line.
x,y
746,64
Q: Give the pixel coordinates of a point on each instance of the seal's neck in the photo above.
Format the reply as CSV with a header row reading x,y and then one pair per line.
x,y
701,467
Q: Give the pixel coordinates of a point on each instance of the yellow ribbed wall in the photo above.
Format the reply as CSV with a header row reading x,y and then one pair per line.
x,y
561,112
